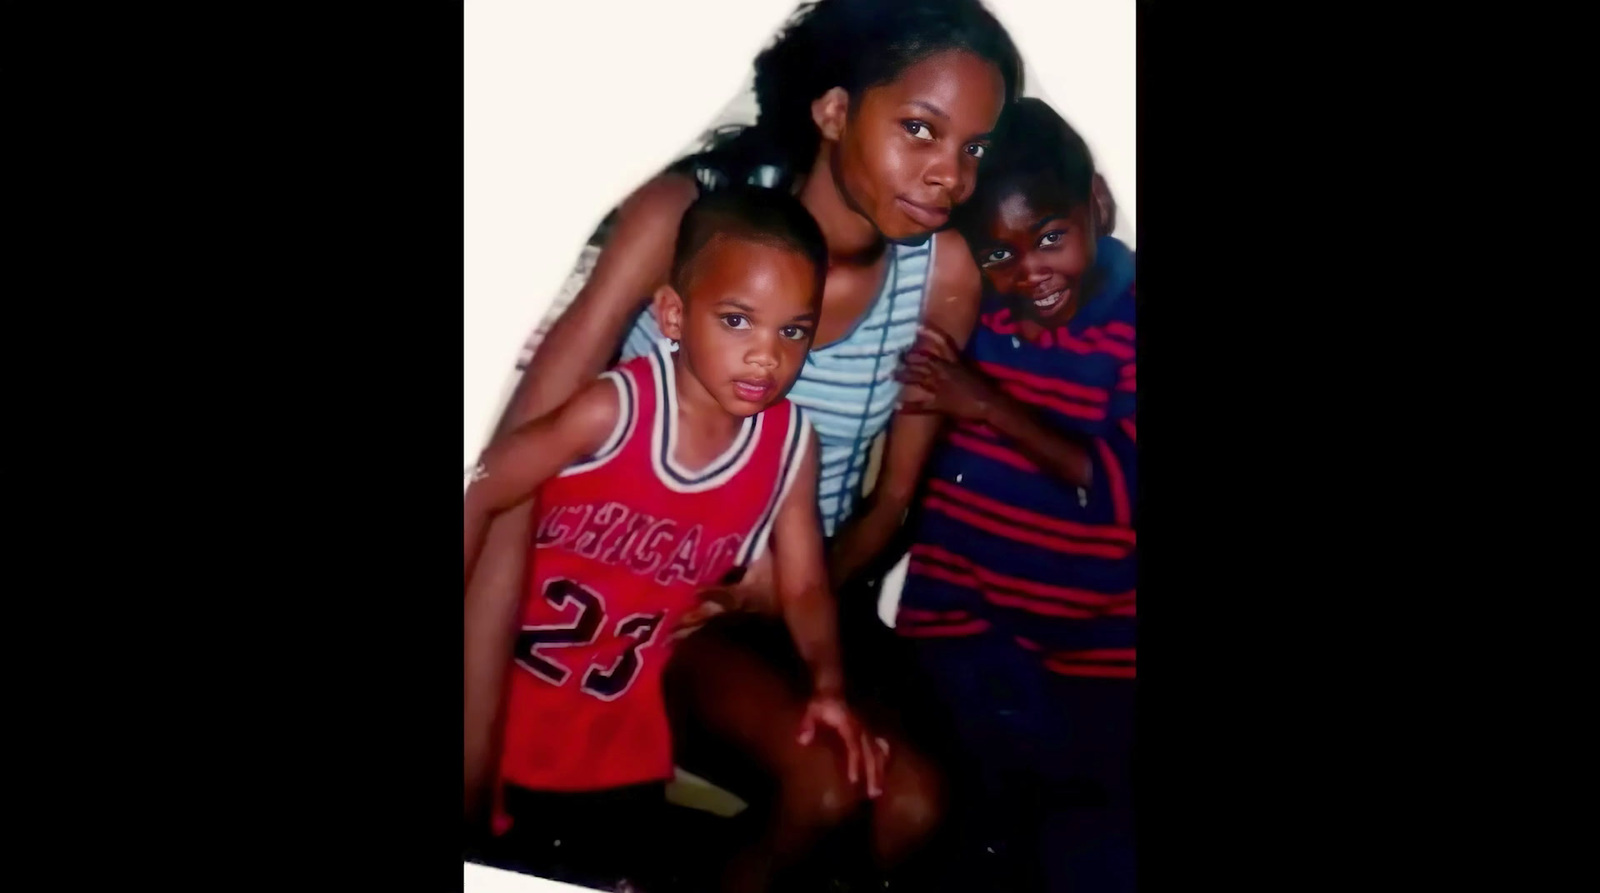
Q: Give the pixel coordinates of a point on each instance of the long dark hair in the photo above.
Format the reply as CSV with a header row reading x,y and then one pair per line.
x,y
1034,151
854,44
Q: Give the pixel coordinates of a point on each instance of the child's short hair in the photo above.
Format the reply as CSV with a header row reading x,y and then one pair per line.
x,y
767,216
1033,151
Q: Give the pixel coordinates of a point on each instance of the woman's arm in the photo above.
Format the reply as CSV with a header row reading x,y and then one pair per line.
x,y
635,260
515,466
954,292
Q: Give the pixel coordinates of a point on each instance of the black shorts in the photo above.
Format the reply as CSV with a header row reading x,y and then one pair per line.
x,y
594,839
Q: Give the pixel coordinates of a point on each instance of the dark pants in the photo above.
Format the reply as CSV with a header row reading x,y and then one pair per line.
x,y
595,839
1043,768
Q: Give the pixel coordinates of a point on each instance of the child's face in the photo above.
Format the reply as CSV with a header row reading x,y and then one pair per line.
x,y
1037,255
746,325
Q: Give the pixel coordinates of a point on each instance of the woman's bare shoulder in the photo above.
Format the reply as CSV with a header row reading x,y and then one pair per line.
x,y
955,286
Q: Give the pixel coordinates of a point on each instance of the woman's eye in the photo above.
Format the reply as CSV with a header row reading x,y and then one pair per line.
x,y
736,321
918,129
999,255
976,150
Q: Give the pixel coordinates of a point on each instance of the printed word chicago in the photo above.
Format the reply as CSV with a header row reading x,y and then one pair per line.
x,y
650,547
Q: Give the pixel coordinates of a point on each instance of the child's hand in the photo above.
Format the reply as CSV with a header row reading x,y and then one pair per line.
x,y
712,602
862,749
938,381
753,593
932,340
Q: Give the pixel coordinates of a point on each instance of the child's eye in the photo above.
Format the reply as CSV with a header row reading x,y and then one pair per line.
x,y
1052,238
917,129
794,333
736,321
999,255
976,150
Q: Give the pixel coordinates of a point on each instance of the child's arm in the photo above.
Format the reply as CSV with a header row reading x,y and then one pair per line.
x,y
944,384
515,465
801,576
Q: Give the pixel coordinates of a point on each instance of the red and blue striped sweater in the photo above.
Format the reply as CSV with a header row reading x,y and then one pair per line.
x,y
1003,548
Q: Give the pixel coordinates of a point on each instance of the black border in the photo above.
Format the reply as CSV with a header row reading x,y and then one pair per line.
x,y
282,202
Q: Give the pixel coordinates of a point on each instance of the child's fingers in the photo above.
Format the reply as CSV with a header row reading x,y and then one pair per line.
x,y
852,746
937,334
929,348
872,764
926,363
914,398
919,359
725,597
938,341
916,390
694,619
712,601
704,612
912,375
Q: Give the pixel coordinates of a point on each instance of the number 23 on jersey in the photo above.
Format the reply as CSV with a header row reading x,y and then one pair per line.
x,y
536,644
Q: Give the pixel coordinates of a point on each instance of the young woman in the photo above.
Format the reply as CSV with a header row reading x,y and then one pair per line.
x,y
876,114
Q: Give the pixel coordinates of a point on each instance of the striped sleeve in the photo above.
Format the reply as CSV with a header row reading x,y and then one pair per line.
x,y
1115,481
1115,453
1067,404
1124,396
1092,409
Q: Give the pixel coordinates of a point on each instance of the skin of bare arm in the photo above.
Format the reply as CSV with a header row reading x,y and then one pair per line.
x,y
954,294
809,610
517,464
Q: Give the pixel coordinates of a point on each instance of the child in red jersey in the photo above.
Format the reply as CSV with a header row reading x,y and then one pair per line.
x,y
665,476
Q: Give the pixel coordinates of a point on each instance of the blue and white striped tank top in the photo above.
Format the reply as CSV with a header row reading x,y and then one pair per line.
x,y
848,387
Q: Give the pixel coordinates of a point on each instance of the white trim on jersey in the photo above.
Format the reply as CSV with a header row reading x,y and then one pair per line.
x,y
627,416
794,454
664,437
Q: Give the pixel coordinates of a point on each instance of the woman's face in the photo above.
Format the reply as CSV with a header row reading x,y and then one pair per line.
x,y
910,149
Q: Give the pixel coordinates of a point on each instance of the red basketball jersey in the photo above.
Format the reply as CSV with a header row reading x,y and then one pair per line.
x,y
626,539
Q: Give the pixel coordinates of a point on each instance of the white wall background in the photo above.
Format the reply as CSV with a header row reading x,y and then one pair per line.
x,y
570,105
